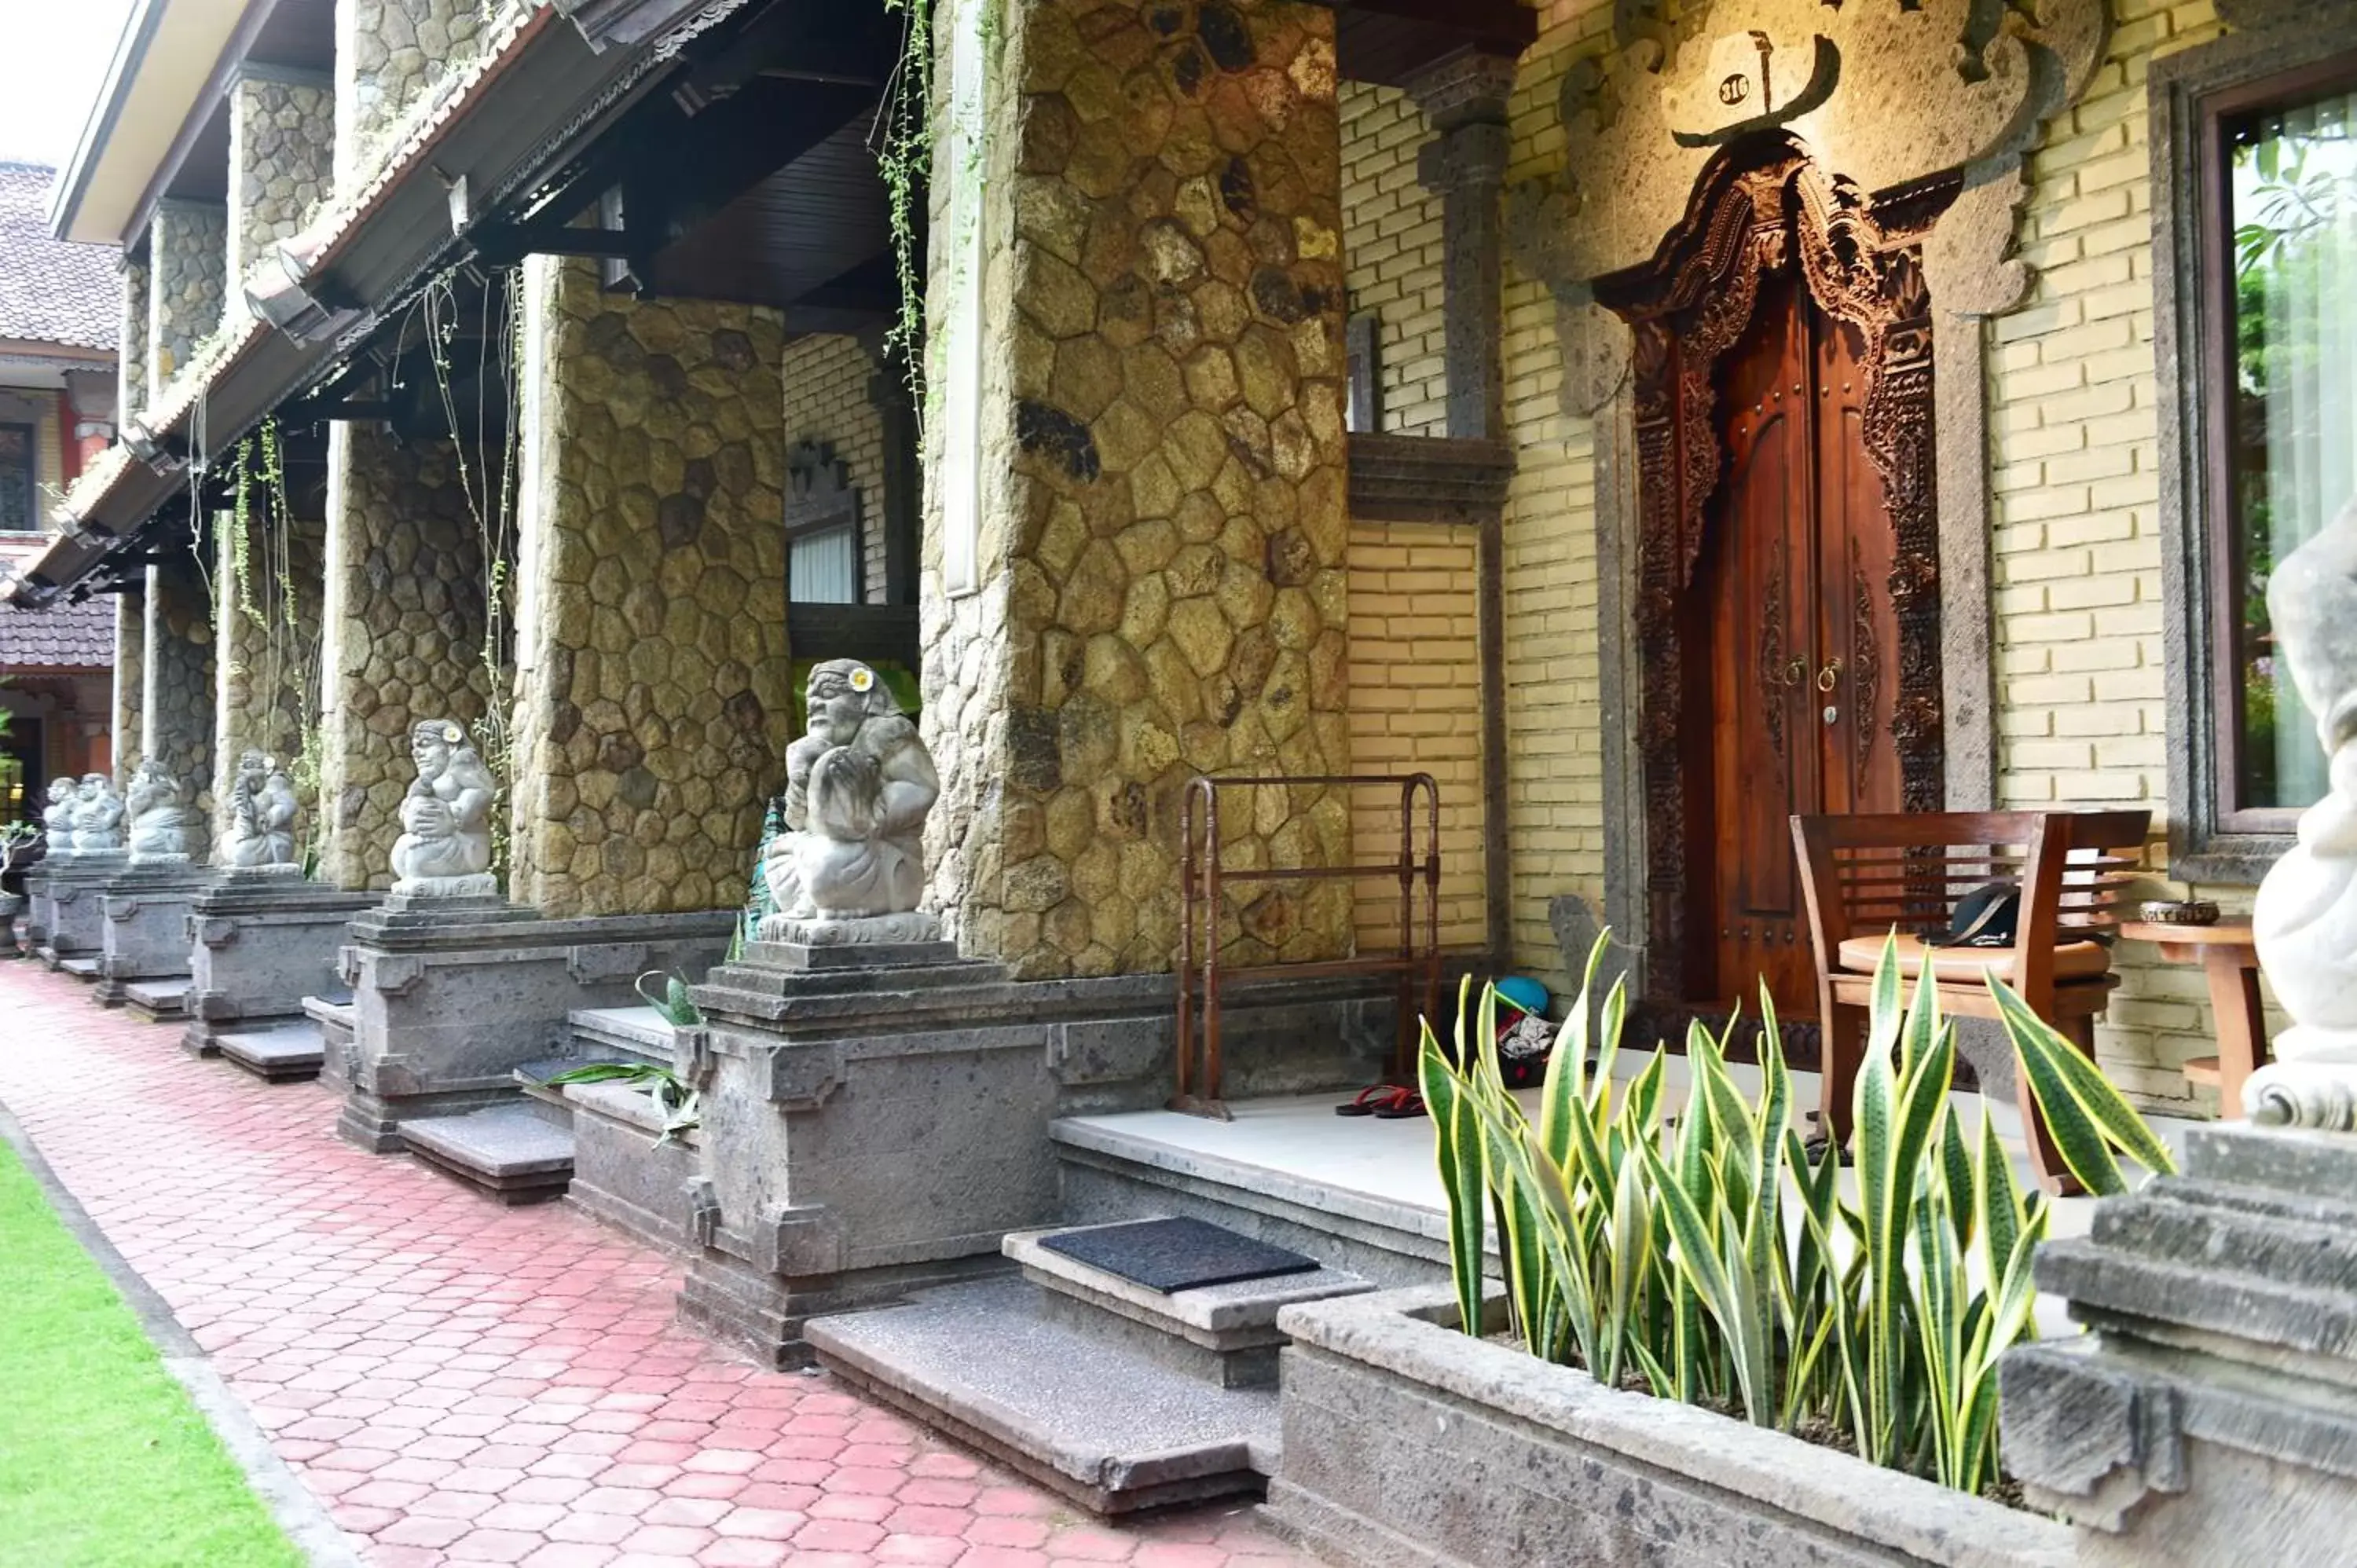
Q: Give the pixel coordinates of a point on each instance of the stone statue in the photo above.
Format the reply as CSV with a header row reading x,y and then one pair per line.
x,y
850,865
2305,921
261,835
444,848
97,816
159,814
58,817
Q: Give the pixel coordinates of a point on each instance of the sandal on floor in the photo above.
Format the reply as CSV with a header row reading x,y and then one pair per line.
x,y
1371,1100
1409,1104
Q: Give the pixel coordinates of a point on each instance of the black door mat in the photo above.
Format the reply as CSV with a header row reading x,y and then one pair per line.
x,y
1177,1254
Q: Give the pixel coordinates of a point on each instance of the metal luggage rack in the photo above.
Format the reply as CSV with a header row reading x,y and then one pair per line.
x,y
1202,880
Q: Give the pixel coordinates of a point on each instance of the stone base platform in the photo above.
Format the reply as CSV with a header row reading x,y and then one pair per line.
x,y
512,1153
288,1052
158,1001
146,935
264,941
65,908
83,966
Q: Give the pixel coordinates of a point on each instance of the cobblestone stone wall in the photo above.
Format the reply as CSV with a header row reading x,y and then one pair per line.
x,y
130,366
390,55
177,726
652,684
404,629
1164,530
266,670
826,377
130,680
188,256
281,157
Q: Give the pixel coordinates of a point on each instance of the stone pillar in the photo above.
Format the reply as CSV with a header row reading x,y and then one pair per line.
x,y
390,56
187,257
281,160
402,624
1464,95
268,672
652,687
177,723
1158,526
132,365
129,679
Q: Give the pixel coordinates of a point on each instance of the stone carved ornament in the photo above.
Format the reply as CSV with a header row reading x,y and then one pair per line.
x,y
158,811
850,867
97,816
444,848
57,816
2306,918
261,835
1880,92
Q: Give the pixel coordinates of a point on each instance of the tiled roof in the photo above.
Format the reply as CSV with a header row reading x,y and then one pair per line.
x,y
63,637
51,292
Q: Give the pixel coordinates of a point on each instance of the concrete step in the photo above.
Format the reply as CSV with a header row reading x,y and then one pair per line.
x,y
157,1000
1090,1415
82,966
510,1152
1224,1333
291,1052
623,1034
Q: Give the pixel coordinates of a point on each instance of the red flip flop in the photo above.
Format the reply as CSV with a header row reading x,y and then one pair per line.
x,y
1373,1099
1409,1104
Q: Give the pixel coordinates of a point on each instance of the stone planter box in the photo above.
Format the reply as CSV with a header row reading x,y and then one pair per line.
x,y
1406,1443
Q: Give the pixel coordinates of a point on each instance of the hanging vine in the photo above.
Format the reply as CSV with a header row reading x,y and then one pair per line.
x,y
904,155
264,578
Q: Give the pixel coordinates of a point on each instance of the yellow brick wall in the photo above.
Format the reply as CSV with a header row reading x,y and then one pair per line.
x,y
1416,705
1391,251
826,377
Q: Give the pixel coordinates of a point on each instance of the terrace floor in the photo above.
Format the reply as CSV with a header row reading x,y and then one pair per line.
x,y
463,1383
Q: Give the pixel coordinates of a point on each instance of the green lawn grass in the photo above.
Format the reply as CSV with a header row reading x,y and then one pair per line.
x,y
104,1463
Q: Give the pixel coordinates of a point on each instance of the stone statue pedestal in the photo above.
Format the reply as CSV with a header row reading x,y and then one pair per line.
x,y
67,919
451,995
146,928
2212,1416
264,939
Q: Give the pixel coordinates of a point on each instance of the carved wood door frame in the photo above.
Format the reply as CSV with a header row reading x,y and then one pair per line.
x,y
1763,207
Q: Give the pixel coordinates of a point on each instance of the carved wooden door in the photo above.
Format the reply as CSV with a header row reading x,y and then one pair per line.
x,y
1790,630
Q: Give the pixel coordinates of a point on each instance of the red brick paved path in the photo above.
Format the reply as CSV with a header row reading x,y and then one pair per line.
x,y
464,1383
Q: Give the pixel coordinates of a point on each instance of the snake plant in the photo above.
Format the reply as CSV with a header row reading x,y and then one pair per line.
x,y
1703,1254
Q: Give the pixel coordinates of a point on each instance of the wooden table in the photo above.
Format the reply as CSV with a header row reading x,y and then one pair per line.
x,y
2232,963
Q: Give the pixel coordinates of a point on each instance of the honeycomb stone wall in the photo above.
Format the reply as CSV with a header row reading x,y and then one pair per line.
x,y
177,723
187,257
281,145
130,680
390,55
652,705
1163,534
267,675
402,619
132,365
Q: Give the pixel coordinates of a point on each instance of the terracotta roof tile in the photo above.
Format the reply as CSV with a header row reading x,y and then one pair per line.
x,y
63,637
51,292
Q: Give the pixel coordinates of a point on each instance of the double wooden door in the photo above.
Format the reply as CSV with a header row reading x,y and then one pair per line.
x,y
1790,640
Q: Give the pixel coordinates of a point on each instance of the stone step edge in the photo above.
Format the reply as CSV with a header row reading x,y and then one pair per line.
x,y
1242,1315
441,1137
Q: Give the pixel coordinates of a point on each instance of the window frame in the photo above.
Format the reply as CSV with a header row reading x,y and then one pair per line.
x,y
2197,98
32,433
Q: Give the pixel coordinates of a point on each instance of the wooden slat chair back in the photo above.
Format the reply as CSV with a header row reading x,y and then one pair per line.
x,y
1862,876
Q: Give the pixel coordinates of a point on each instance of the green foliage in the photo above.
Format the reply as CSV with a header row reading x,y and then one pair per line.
x,y
16,838
261,556
673,1001
1704,1255
904,153
681,1103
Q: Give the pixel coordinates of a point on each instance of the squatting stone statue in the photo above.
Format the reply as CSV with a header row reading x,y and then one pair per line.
x,y
97,816
2305,921
57,816
850,867
444,848
261,833
159,814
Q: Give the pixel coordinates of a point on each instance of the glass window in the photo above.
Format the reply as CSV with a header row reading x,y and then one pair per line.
x,y
823,566
2286,177
17,511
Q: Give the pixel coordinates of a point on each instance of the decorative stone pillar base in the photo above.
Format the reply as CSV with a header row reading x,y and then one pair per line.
x,y
2212,1416
146,926
260,942
869,1130
451,995
68,895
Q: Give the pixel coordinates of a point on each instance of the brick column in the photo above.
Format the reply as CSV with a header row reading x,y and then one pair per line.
x,y
176,722
187,258
130,680
267,676
1159,522
652,686
403,623
281,160
390,54
132,365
